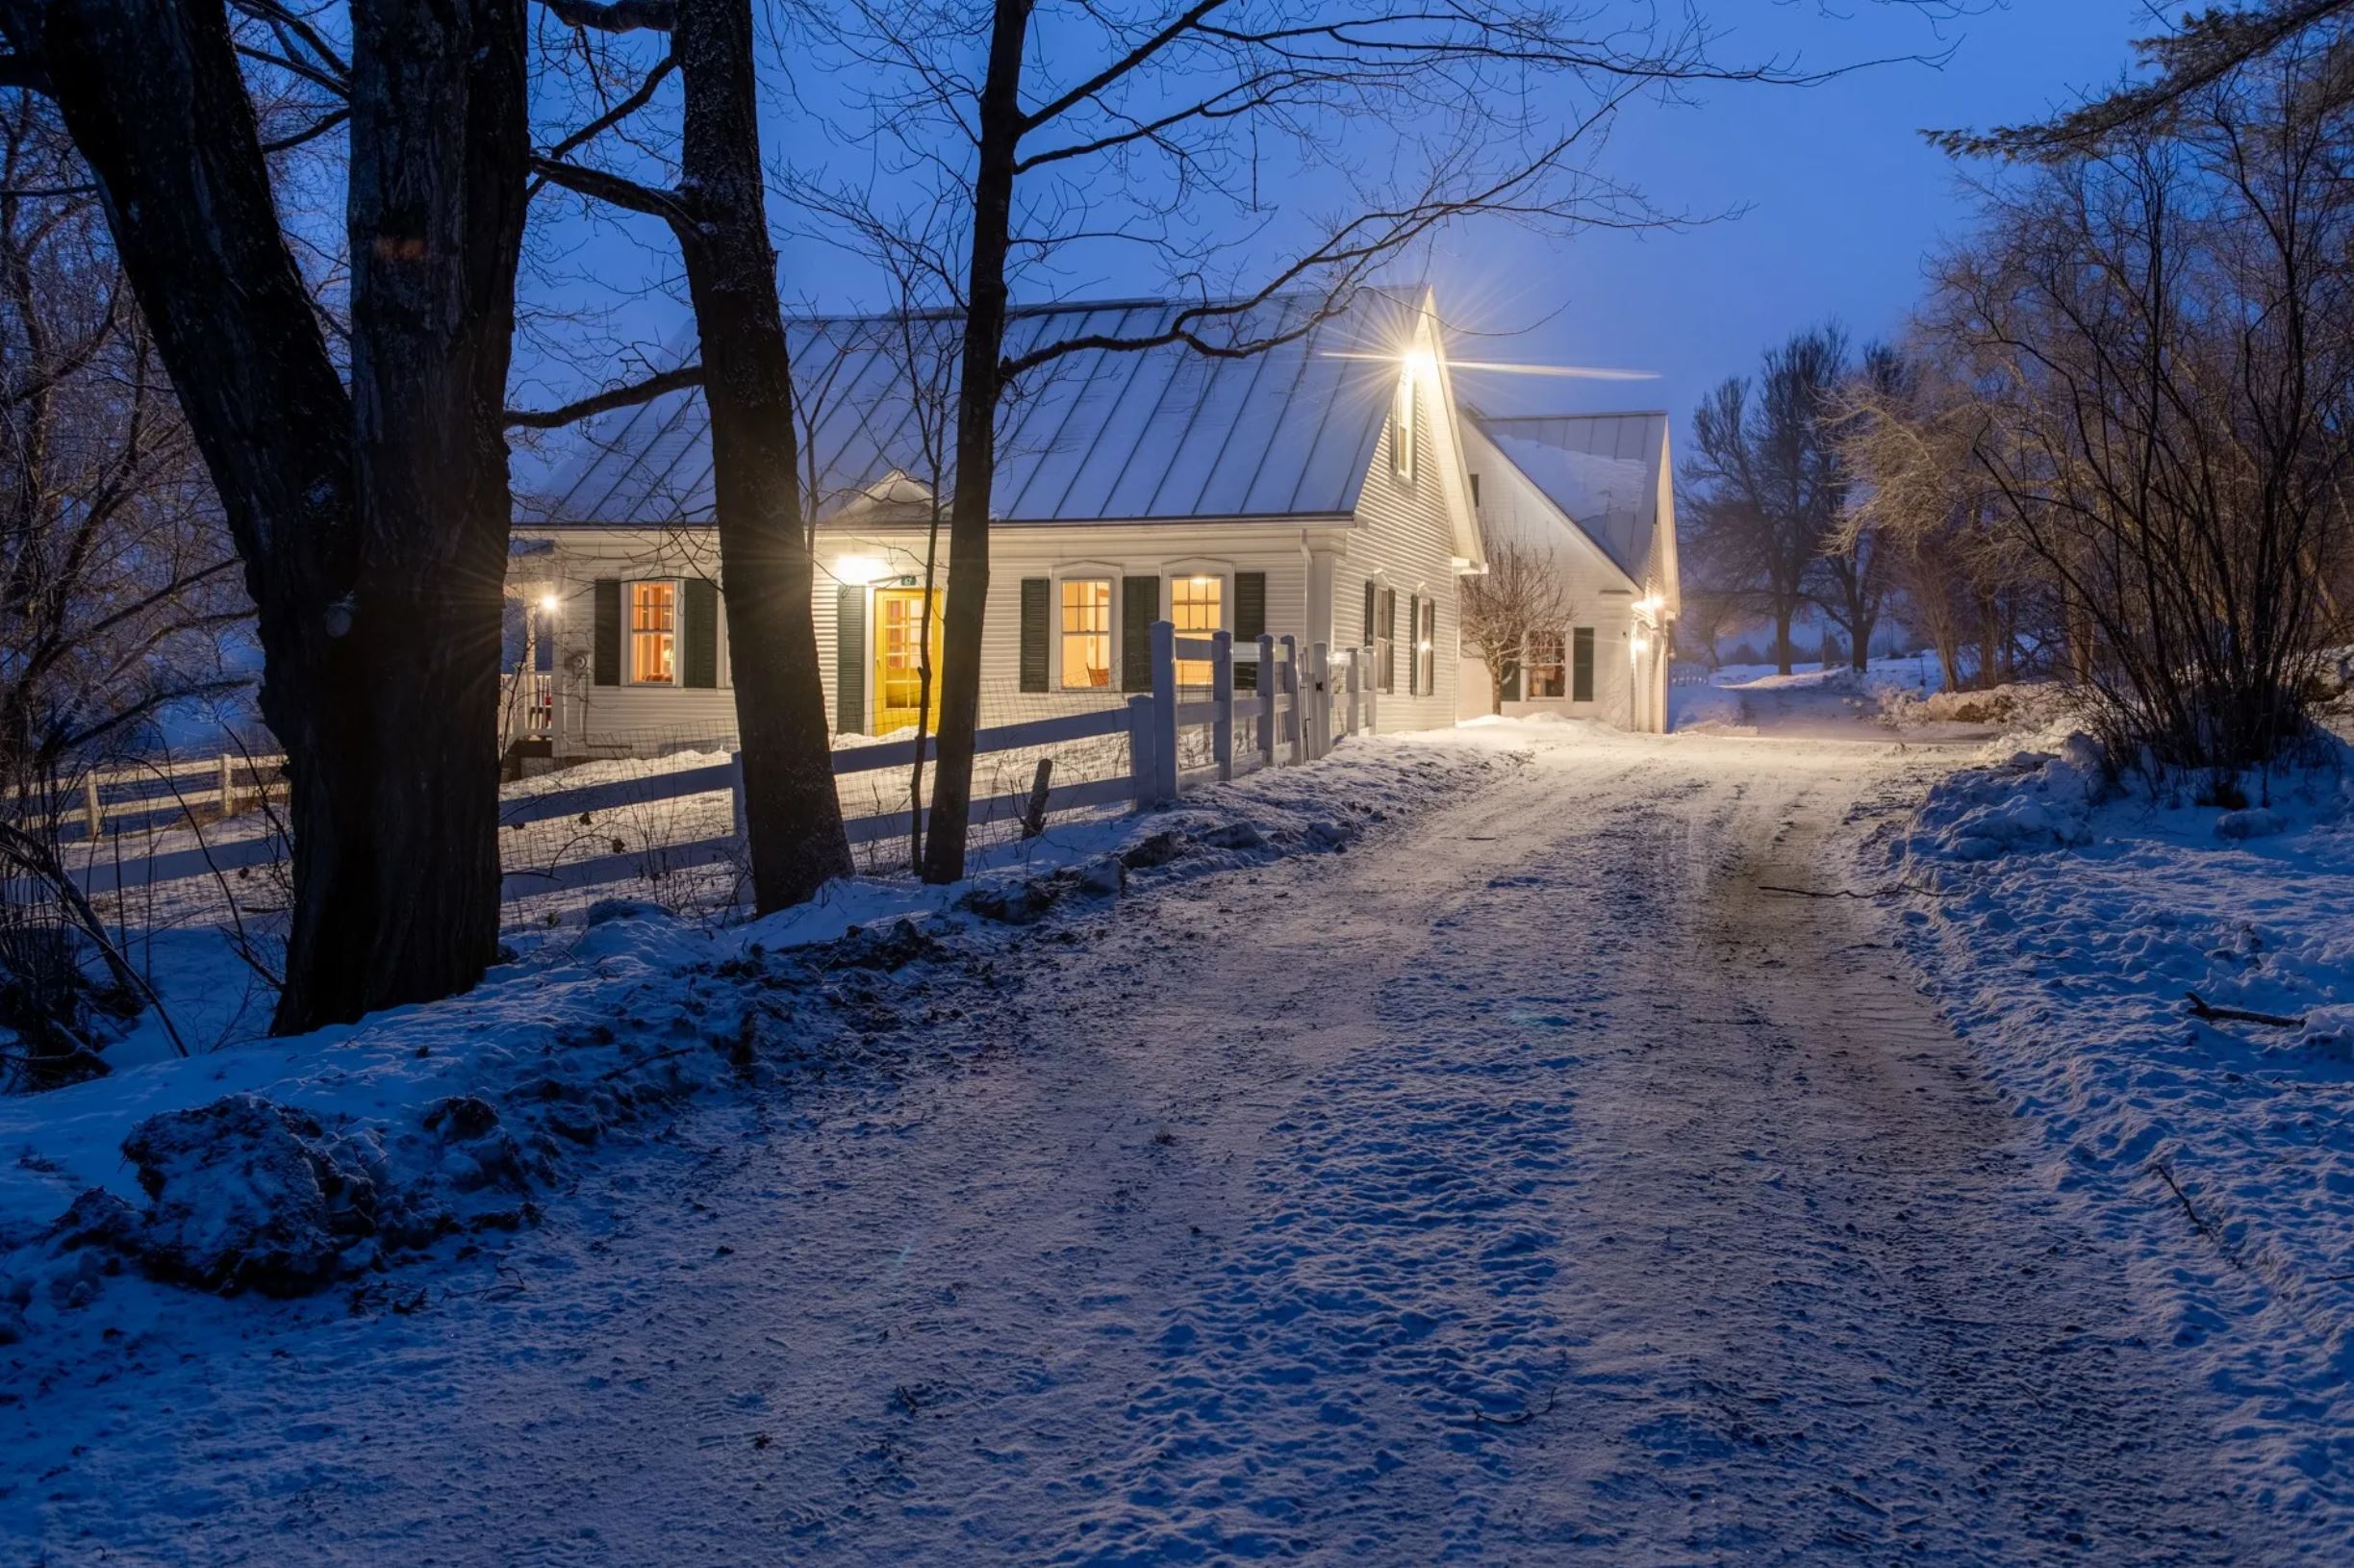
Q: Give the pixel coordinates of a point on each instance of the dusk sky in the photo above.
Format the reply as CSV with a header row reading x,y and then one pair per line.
x,y
1842,198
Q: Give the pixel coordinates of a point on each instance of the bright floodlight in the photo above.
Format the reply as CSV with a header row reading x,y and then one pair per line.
x,y
858,571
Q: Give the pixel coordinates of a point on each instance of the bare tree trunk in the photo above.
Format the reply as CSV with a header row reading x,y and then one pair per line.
x,y
379,621
439,153
1783,652
792,812
976,415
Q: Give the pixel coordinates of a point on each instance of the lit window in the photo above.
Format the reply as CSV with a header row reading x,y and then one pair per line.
x,y
1087,631
653,633
1546,665
1193,610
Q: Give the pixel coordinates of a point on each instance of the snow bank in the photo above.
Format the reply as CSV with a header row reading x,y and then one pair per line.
x,y
2067,919
282,1166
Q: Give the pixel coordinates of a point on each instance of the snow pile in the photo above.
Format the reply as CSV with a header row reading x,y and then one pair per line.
x,y
2031,801
2019,705
282,1165
2167,989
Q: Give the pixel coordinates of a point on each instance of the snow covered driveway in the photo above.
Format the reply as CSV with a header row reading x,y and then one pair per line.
x,y
1525,1184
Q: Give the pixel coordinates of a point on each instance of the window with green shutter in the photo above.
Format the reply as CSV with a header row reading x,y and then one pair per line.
x,y
1582,665
605,648
1035,594
849,660
1140,605
1250,625
700,631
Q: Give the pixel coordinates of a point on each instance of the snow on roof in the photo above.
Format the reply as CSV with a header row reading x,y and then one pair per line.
x,y
1602,469
1098,434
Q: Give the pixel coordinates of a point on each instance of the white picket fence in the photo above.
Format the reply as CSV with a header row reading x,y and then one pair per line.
x,y
1291,717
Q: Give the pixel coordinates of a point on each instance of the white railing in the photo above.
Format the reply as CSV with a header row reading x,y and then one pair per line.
x,y
1297,698
526,704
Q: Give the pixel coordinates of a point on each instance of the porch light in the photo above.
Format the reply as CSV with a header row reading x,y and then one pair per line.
x,y
549,604
858,571
1638,643
1421,365
1647,606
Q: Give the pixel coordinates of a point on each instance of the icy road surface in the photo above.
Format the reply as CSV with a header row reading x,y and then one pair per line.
x,y
1524,1186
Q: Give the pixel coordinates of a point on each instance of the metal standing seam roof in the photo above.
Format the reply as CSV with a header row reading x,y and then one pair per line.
x,y
1602,469
1096,435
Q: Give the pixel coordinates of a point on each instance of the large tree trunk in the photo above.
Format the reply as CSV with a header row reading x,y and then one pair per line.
x,y
439,150
792,812
1783,655
368,618
976,415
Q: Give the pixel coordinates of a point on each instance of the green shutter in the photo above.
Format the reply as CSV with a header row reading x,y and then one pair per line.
x,y
700,626
1250,624
1140,605
1413,644
849,660
605,652
1389,638
1034,610
1370,635
1582,665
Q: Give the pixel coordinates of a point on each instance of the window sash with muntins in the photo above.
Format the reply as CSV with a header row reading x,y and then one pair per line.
x,y
1195,605
1086,629
653,633
1546,669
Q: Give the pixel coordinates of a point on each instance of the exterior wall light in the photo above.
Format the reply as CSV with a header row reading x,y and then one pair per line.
x,y
858,571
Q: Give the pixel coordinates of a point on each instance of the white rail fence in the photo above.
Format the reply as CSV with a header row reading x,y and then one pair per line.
x,y
1303,701
222,786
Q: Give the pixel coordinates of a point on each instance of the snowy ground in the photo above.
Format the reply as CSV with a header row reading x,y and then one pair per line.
x,y
1532,1181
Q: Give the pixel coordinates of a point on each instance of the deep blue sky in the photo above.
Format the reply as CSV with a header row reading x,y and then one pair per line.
x,y
1842,201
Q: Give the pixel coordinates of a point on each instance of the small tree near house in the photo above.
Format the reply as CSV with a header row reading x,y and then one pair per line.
x,y
1521,596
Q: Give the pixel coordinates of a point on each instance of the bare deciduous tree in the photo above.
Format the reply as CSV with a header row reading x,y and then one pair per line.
x,y
718,212
371,521
1520,597
2154,336
1766,488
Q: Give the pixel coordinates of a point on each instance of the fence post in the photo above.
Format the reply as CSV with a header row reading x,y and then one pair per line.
x,y
1222,692
93,817
1267,680
1291,684
1356,669
1140,748
1164,712
736,790
1320,666
228,786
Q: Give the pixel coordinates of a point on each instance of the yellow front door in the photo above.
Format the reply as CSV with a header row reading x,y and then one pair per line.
x,y
898,658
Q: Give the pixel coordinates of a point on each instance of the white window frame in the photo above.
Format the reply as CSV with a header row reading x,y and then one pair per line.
x,y
1402,422
1082,572
1429,655
1224,572
677,633
1530,664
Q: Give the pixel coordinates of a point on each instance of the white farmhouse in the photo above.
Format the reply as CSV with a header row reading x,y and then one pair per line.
x,y
1596,493
1319,490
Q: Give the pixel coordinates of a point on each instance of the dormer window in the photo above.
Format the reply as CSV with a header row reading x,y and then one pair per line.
x,y
1402,427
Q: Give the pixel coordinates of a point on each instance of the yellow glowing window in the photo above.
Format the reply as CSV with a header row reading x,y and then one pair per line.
x,y
653,633
1087,631
1193,610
